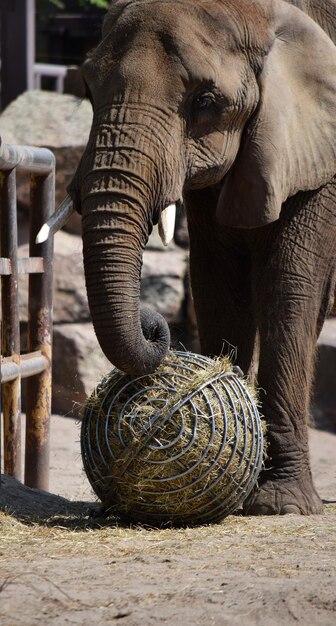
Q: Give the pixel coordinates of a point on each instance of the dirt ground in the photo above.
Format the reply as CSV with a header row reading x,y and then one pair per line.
x,y
58,567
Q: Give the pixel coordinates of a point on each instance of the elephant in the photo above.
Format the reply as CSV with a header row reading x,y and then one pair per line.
x,y
230,107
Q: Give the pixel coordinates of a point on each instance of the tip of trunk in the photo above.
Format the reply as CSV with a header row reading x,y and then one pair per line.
x,y
154,343
139,353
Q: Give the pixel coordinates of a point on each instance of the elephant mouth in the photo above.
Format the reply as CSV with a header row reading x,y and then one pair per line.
x,y
166,221
164,216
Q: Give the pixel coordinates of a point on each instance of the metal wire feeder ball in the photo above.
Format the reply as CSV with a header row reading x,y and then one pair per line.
x,y
182,446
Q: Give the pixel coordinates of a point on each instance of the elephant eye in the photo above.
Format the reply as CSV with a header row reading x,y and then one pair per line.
x,y
204,101
203,104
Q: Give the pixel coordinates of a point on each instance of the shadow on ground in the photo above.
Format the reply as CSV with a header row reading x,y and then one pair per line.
x,y
33,506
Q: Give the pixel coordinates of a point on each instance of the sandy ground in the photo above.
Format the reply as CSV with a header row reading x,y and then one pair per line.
x,y
66,569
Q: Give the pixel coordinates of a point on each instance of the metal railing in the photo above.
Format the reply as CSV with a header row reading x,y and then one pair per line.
x,y
58,72
35,365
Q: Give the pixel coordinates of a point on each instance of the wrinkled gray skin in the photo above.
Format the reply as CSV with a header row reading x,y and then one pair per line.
x,y
232,106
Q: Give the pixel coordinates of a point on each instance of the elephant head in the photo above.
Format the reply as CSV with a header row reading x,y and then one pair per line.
x,y
238,96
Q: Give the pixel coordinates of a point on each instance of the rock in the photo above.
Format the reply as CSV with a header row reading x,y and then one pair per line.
x,y
69,291
70,300
78,365
162,281
57,121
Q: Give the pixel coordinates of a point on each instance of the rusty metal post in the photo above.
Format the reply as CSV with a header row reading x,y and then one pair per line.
x,y
39,337
36,365
10,324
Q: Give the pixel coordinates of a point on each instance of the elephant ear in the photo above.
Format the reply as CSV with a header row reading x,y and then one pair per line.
x,y
290,143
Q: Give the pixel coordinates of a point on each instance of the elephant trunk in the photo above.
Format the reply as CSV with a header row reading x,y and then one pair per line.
x,y
135,340
117,219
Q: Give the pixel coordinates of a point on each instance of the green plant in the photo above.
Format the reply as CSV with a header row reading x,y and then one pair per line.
x,y
100,4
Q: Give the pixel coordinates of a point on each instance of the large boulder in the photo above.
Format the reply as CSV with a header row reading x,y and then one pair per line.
x,y
69,292
162,281
57,121
78,365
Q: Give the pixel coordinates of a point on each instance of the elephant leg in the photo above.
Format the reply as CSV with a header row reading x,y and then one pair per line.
x,y
285,485
294,285
220,272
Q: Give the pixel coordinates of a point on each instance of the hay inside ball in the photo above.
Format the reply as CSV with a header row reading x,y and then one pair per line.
x,y
183,445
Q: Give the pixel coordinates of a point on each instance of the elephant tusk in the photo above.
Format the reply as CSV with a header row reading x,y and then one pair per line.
x,y
56,221
167,224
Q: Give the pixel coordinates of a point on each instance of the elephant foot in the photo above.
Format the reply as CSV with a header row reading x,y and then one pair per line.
x,y
280,497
